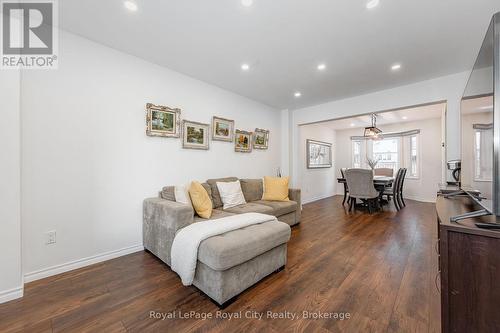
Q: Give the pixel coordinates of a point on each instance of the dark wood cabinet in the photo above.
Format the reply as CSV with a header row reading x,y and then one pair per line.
x,y
469,269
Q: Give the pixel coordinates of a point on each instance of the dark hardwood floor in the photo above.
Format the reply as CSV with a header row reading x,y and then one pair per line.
x,y
379,268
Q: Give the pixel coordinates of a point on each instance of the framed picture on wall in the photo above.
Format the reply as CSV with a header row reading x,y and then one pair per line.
x,y
162,121
222,129
319,154
195,135
261,139
243,141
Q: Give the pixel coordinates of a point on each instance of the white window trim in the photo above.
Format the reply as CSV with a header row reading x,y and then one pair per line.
x,y
419,159
475,179
353,142
362,159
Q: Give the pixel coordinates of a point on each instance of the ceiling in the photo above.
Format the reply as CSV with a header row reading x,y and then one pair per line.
x,y
283,41
390,117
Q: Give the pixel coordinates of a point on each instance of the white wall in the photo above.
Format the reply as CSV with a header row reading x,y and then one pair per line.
x,y
11,282
446,88
285,137
88,164
316,183
425,187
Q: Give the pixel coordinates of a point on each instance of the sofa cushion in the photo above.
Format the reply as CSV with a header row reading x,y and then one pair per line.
x,y
207,188
238,246
275,188
217,202
181,193
279,207
168,193
252,189
250,207
231,194
216,214
200,199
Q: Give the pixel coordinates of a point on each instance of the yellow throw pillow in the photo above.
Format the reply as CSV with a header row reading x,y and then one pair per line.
x,y
275,189
200,199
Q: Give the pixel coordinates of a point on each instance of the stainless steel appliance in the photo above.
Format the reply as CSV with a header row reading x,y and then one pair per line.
x,y
455,166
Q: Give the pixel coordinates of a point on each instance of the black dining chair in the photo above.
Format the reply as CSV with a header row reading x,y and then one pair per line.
x,y
396,191
346,189
400,188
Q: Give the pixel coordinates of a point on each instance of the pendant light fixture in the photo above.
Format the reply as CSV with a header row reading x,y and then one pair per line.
x,y
372,131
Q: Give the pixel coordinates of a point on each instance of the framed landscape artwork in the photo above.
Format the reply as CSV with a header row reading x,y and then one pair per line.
x,y
243,141
162,121
261,138
222,129
195,135
319,154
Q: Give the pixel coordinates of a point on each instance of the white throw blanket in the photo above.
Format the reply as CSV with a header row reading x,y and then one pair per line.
x,y
184,253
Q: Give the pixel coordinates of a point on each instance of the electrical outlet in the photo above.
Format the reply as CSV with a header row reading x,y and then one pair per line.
x,y
50,237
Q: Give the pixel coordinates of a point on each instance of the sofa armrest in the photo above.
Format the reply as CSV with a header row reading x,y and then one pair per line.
x,y
161,220
294,195
171,214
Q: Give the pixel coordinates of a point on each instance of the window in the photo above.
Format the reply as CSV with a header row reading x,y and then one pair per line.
x,y
386,151
356,154
413,167
483,154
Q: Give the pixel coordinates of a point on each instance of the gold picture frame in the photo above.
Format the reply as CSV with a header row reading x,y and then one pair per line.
x,y
195,135
261,139
242,141
222,129
162,121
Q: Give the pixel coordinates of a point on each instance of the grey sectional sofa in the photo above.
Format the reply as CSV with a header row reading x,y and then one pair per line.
x,y
232,262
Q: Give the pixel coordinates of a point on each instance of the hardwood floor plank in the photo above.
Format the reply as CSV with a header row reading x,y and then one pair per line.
x,y
379,268
411,310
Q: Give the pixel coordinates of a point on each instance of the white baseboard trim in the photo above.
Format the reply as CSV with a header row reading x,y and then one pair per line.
x,y
11,294
306,201
75,264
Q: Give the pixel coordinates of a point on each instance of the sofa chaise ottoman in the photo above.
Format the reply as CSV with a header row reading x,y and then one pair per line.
x,y
231,262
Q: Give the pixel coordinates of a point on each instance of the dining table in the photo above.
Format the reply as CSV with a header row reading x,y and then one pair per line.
x,y
380,183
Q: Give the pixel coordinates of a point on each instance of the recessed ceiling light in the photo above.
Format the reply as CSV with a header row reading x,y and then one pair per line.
x,y
396,67
321,67
405,117
372,4
245,67
247,3
130,5
297,94
353,124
